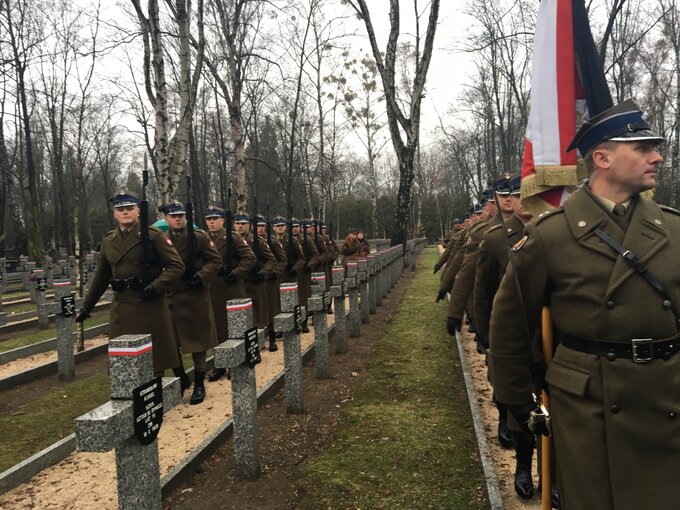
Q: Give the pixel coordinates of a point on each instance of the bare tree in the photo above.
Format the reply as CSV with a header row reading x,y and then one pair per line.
x,y
399,123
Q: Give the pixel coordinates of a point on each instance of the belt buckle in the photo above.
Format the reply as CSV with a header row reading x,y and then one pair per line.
x,y
644,356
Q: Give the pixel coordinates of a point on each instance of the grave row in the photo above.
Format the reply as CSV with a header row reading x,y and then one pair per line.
x,y
130,422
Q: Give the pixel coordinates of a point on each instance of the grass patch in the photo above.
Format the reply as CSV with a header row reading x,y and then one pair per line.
x,y
48,419
406,440
39,336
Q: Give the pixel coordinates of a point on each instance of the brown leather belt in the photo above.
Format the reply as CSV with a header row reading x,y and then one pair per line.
x,y
639,350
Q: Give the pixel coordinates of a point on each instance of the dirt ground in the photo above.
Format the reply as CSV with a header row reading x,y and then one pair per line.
x,y
287,442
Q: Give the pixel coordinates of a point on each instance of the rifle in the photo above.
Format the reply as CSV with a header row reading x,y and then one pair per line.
x,y
316,227
268,227
191,234
145,277
256,238
291,247
305,249
228,261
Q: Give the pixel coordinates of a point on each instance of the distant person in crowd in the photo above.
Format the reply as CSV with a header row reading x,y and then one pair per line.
x,y
351,247
365,245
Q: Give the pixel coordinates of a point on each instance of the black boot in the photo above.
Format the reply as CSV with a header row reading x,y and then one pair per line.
x,y
305,329
198,395
272,342
329,309
555,498
504,434
184,381
524,485
524,451
216,374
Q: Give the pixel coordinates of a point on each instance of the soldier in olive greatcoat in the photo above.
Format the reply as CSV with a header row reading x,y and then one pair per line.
x,y
272,284
138,307
264,268
606,263
229,283
191,305
312,263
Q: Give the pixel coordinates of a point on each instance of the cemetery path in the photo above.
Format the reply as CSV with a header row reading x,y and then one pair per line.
x,y
504,460
287,442
27,362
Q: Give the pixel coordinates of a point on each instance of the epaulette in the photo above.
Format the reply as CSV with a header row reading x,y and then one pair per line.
x,y
547,214
495,227
200,230
669,209
110,232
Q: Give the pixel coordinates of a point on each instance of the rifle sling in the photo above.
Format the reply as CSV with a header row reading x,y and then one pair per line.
x,y
639,267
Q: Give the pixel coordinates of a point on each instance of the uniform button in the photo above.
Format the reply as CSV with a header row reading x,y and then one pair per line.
x,y
611,356
615,409
667,303
610,305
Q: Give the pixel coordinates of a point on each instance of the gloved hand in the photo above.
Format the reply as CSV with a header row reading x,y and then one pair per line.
x,y
195,282
437,267
272,277
483,339
536,424
222,271
230,277
258,277
440,295
83,314
292,273
150,292
453,325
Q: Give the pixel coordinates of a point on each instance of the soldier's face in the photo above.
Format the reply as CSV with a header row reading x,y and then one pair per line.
x,y
176,221
504,203
296,230
630,167
126,216
310,230
242,228
519,209
214,224
279,229
260,230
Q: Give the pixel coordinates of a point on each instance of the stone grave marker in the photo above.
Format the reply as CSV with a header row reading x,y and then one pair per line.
x,y
112,425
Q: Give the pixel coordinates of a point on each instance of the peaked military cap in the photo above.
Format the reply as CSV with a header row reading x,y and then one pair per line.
x,y
279,220
515,185
295,222
487,195
621,123
321,223
477,208
214,211
307,222
352,230
124,199
502,186
456,221
241,218
259,219
174,207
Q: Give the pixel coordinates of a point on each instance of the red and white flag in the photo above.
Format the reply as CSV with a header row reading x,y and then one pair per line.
x,y
557,98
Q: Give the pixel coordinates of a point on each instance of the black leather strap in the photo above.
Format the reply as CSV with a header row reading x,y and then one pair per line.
x,y
639,267
639,350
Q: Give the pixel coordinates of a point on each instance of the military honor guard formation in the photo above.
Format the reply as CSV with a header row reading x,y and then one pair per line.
x,y
576,312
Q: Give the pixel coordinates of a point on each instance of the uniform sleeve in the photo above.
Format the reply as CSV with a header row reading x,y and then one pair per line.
x,y
100,282
315,258
464,283
451,270
281,258
173,267
267,258
300,262
512,325
212,261
247,258
487,271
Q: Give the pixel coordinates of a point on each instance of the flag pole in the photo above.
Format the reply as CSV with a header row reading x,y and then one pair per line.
x,y
546,475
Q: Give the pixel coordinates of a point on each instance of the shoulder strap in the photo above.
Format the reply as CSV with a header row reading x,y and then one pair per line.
x,y
641,269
